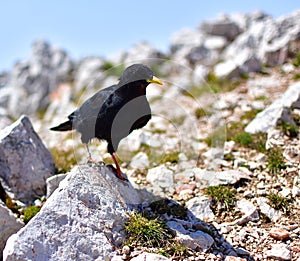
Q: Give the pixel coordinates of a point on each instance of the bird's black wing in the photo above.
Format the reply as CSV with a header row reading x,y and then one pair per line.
x,y
91,108
85,117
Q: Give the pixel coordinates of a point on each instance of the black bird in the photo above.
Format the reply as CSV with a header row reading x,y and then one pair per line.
x,y
114,112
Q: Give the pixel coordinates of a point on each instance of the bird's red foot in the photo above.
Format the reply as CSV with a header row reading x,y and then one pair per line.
x,y
91,160
118,173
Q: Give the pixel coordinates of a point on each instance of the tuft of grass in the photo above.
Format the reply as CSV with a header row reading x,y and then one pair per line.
x,y
107,65
218,85
244,139
178,250
278,202
172,157
235,131
296,61
200,113
296,76
250,115
259,141
30,212
222,196
64,159
145,232
290,130
172,208
275,160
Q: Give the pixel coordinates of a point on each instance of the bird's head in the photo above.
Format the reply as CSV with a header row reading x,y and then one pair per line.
x,y
138,72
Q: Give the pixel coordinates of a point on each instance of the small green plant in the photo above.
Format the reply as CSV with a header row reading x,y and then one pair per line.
x,y
200,112
218,85
290,130
261,98
178,250
222,196
278,202
244,139
171,208
145,232
30,212
259,142
172,157
107,65
250,115
64,159
275,160
296,61
296,76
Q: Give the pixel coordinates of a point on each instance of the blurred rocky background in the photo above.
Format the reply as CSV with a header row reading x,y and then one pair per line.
x,y
223,144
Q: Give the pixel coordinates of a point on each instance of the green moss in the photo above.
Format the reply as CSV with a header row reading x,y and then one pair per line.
x,y
30,212
275,160
296,61
172,157
171,208
218,85
261,98
221,195
145,232
107,65
235,132
200,113
296,77
259,142
64,159
250,115
244,139
178,250
290,130
229,157
278,202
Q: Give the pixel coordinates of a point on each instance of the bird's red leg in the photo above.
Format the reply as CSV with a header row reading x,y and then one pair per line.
x,y
119,172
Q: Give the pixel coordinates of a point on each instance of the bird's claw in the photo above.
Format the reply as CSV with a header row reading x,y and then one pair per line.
x,y
119,175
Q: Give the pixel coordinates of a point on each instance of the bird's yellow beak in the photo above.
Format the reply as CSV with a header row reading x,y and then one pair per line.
x,y
155,80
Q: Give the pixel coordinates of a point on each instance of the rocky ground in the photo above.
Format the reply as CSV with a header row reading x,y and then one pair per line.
x,y
218,163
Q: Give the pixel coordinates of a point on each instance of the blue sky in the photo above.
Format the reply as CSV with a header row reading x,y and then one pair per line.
x,y
106,27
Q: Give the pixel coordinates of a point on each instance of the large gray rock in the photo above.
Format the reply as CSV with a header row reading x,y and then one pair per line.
x,y
242,63
186,38
278,111
31,82
141,52
270,41
89,73
83,219
222,26
25,163
9,225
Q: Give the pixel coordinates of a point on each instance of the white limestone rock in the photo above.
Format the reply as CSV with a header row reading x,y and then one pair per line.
x,y
83,219
278,111
9,225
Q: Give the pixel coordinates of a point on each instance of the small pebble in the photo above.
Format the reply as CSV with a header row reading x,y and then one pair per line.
x,y
279,233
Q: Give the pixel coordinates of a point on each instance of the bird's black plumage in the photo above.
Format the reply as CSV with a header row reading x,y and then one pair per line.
x,y
114,112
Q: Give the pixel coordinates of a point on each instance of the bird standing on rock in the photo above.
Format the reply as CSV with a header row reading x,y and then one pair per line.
x,y
114,112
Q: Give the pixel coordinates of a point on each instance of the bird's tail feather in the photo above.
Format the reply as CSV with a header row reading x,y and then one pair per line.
x,y
66,126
